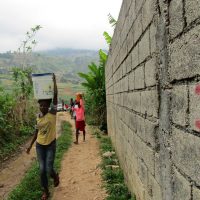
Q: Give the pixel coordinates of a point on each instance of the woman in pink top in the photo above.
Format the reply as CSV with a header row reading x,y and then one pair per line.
x,y
80,119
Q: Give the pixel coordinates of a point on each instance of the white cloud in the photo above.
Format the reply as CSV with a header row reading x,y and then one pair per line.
x,y
66,23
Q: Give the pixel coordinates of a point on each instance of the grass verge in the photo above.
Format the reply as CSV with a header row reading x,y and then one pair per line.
x,y
29,188
111,172
10,148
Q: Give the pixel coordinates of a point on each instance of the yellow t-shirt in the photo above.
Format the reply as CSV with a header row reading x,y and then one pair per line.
x,y
46,126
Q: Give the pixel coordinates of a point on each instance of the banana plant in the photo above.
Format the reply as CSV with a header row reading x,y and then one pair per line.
x,y
94,82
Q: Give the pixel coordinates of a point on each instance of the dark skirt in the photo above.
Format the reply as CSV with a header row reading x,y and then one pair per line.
x,y
80,125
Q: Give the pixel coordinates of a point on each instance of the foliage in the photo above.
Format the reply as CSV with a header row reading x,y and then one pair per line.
x,y
6,102
12,131
22,73
17,109
23,81
111,19
95,84
29,188
66,63
107,37
113,23
113,177
25,50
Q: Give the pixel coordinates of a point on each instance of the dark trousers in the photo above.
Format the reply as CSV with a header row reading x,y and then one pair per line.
x,y
46,156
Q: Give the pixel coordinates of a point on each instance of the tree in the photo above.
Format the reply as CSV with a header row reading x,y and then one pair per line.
x,y
22,72
24,52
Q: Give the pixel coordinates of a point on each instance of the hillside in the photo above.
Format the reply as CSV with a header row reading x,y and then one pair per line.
x,y
66,63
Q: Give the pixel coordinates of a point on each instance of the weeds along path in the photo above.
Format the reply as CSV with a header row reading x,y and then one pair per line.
x,y
80,177
14,170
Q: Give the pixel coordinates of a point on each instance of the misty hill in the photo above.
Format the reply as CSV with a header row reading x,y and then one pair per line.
x,y
69,52
64,62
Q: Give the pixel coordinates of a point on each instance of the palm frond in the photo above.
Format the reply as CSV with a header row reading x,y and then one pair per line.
x,y
93,67
103,58
107,37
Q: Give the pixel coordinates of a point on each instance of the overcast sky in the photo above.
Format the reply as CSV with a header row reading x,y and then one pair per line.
x,y
66,23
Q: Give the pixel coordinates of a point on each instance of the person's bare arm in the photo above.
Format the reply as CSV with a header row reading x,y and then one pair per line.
x,y
32,142
55,94
81,103
53,109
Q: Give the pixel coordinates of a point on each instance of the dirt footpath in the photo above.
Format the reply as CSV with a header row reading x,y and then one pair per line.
x,y
80,174
80,177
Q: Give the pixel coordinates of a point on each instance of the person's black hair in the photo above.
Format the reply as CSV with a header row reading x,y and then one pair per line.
x,y
46,100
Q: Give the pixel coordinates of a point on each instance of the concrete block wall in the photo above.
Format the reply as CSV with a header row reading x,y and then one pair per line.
x,y
153,97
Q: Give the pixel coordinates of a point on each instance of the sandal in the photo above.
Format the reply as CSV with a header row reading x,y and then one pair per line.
x,y
56,180
45,196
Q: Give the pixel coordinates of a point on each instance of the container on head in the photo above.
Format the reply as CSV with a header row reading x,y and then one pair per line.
x,y
43,85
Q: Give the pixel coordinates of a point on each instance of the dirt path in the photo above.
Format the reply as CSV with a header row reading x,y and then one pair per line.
x,y
13,171
80,172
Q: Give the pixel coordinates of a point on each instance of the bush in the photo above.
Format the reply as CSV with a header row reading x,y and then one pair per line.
x,y
17,120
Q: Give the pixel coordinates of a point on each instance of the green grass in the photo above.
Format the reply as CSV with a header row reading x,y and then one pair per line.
x,y
12,146
29,188
113,177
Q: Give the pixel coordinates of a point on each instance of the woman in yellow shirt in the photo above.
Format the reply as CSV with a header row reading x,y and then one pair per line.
x,y
45,137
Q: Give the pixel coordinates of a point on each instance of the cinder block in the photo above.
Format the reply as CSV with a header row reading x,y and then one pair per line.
x,y
139,77
124,84
123,69
179,104
158,174
135,57
123,51
124,96
128,63
154,188
153,35
192,8
196,193
143,173
181,187
138,27
149,102
176,18
138,6
194,107
132,124
184,56
144,47
131,80
132,14
150,72
130,38
148,11
140,127
144,103
150,132
185,153
136,101
152,103
144,152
